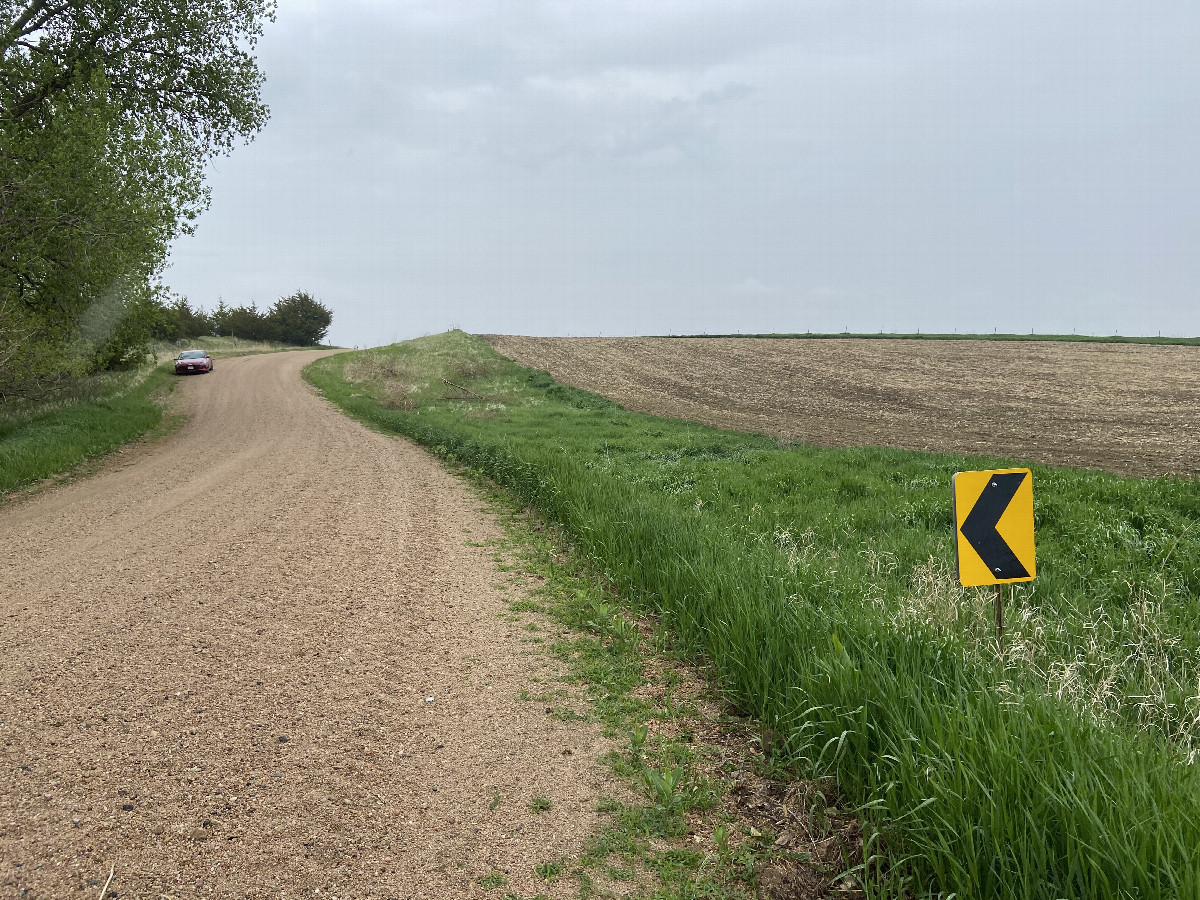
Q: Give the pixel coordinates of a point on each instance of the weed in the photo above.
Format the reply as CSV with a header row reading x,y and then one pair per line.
x,y
664,788
721,839
637,741
492,881
565,714
549,871
539,804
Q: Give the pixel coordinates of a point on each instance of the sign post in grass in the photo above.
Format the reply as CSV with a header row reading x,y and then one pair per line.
x,y
993,514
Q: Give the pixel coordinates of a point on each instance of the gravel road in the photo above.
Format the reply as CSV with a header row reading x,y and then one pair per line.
x,y
263,658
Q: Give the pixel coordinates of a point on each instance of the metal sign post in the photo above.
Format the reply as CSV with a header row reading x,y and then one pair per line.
x,y
998,606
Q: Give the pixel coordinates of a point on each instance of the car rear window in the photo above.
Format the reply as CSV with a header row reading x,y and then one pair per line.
x,y
193,354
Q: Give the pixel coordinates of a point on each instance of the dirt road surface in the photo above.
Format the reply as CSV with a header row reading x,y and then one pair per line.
x,y
262,659
1127,408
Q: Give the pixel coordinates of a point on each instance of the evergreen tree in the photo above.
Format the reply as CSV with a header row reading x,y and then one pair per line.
x,y
299,319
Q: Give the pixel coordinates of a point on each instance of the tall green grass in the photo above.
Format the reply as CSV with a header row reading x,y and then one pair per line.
x,y
91,419
817,584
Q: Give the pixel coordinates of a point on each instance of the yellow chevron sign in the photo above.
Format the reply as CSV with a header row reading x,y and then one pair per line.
x,y
993,518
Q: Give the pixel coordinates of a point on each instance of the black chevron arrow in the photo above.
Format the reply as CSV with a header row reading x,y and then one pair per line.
x,y
980,527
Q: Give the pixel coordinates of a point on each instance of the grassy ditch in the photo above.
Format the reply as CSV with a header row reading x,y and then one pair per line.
x,y
698,820
89,418
818,586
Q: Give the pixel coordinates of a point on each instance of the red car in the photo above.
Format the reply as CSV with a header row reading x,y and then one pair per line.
x,y
190,361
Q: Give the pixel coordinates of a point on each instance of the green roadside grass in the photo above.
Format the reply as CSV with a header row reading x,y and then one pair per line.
x,y
818,587
674,836
1068,338
95,418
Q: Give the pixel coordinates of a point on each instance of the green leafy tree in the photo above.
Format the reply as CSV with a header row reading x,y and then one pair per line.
x,y
184,67
87,207
177,320
299,319
121,343
108,112
247,322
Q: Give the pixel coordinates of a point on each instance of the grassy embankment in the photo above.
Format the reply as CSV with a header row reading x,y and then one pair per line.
x,y
86,419
1076,338
818,584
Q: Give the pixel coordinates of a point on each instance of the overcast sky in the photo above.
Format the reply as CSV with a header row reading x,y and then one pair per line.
x,y
686,166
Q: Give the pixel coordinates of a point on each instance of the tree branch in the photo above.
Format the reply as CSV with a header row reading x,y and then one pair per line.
x,y
36,16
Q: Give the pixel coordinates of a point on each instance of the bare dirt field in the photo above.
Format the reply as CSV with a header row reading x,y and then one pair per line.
x,y
1127,408
266,657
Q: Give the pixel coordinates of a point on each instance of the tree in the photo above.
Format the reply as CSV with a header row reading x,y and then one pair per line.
x,y
184,67
118,341
86,211
299,319
245,322
108,111
220,318
177,320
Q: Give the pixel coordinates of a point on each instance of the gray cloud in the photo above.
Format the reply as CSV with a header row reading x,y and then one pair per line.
x,y
624,167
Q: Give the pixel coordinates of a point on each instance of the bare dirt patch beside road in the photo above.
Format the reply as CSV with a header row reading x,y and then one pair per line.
x,y
215,665
1126,408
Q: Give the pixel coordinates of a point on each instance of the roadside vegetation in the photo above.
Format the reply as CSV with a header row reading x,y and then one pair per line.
x,y
86,419
110,110
298,320
699,818
817,585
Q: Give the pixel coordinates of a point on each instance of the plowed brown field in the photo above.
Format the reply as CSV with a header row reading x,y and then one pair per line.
x,y
1127,408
